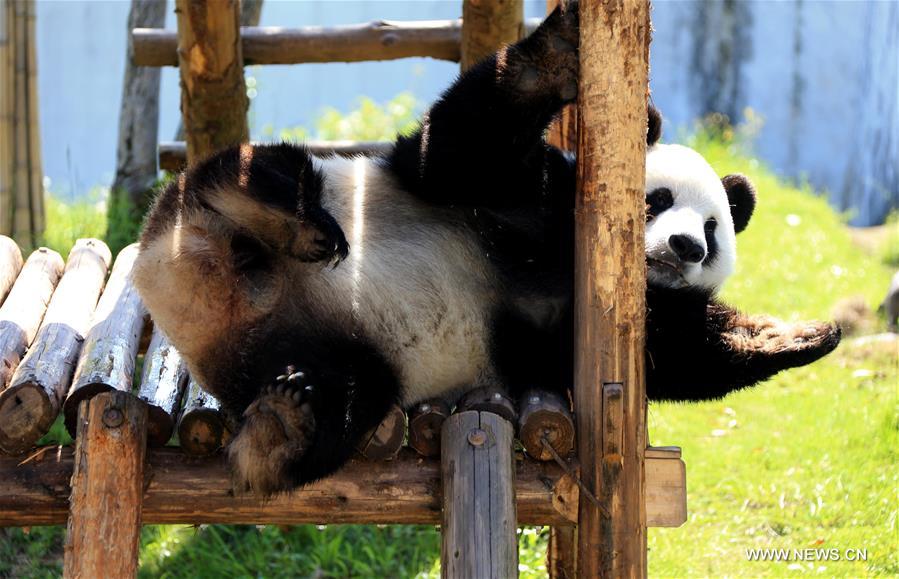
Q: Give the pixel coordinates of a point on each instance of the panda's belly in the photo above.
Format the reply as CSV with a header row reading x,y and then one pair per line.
x,y
416,286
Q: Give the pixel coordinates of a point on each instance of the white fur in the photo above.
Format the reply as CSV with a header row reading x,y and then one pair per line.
x,y
413,281
698,195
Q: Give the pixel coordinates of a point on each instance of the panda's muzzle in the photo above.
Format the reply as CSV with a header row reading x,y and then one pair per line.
x,y
687,248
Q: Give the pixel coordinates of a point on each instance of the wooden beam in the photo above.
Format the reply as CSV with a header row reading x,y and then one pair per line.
x,y
189,490
173,155
488,26
37,389
103,534
10,265
213,94
371,41
610,286
479,520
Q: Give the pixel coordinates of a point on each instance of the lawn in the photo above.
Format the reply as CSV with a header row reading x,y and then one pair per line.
x,y
808,460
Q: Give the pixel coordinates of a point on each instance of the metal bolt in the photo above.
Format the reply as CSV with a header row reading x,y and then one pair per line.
x,y
477,437
113,417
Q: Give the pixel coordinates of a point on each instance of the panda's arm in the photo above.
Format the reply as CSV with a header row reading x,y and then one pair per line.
x,y
700,349
482,141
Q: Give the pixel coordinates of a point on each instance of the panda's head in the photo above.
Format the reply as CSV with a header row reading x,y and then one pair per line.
x,y
692,215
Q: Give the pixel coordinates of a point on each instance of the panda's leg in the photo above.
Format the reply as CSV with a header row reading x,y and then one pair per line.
x,y
700,349
307,422
482,141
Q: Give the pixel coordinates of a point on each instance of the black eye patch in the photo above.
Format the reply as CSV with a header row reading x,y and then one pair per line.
x,y
658,200
710,242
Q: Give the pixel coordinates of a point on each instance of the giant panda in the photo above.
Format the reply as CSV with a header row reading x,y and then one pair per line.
x,y
309,294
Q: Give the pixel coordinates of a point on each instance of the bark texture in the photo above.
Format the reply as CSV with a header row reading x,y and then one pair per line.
x,y
487,26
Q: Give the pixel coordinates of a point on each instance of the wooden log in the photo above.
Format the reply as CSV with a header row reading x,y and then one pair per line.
x,y
546,415
385,441
103,533
213,94
202,428
173,155
610,286
489,399
561,553
24,308
425,423
479,518
109,351
488,26
10,264
162,386
35,394
189,490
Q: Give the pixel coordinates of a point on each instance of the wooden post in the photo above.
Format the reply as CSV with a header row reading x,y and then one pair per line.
x,y
23,310
479,518
202,429
487,26
561,553
610,286
162,386
110,348
213,94
107,488
37,389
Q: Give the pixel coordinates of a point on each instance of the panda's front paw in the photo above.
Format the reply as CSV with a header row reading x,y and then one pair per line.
x,y
548,60
276,431
319,238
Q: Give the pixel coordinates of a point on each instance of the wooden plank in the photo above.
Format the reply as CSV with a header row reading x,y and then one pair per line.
x,y
109,351
35,394
479,518
213,94
610,286
103,533
24,308
202,429
10,264
190,490
666,491
173,155
487,27
162,387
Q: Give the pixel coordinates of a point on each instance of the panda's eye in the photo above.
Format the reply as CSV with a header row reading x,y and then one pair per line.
x,y
658,200
710,225
711,243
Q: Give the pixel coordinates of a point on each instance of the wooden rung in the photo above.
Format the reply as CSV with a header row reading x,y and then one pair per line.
x,y
110,348
37,389
190,490
10,264
202,429
162,386
173,155
378,40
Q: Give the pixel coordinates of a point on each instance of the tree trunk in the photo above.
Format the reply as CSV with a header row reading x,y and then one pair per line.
x,y
138,117
21,177
487,26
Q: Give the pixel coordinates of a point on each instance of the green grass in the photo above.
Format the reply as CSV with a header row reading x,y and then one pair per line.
x,y
808,460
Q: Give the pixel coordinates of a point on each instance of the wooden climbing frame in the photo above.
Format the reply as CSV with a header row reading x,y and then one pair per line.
x,y
70,338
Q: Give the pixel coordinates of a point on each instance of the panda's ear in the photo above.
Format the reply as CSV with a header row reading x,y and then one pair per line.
x,y
654,132
741,198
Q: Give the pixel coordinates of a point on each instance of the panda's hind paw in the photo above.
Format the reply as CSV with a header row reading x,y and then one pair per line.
x,y
276,431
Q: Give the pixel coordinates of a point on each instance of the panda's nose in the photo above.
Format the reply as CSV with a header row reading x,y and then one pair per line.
x,y
686,248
